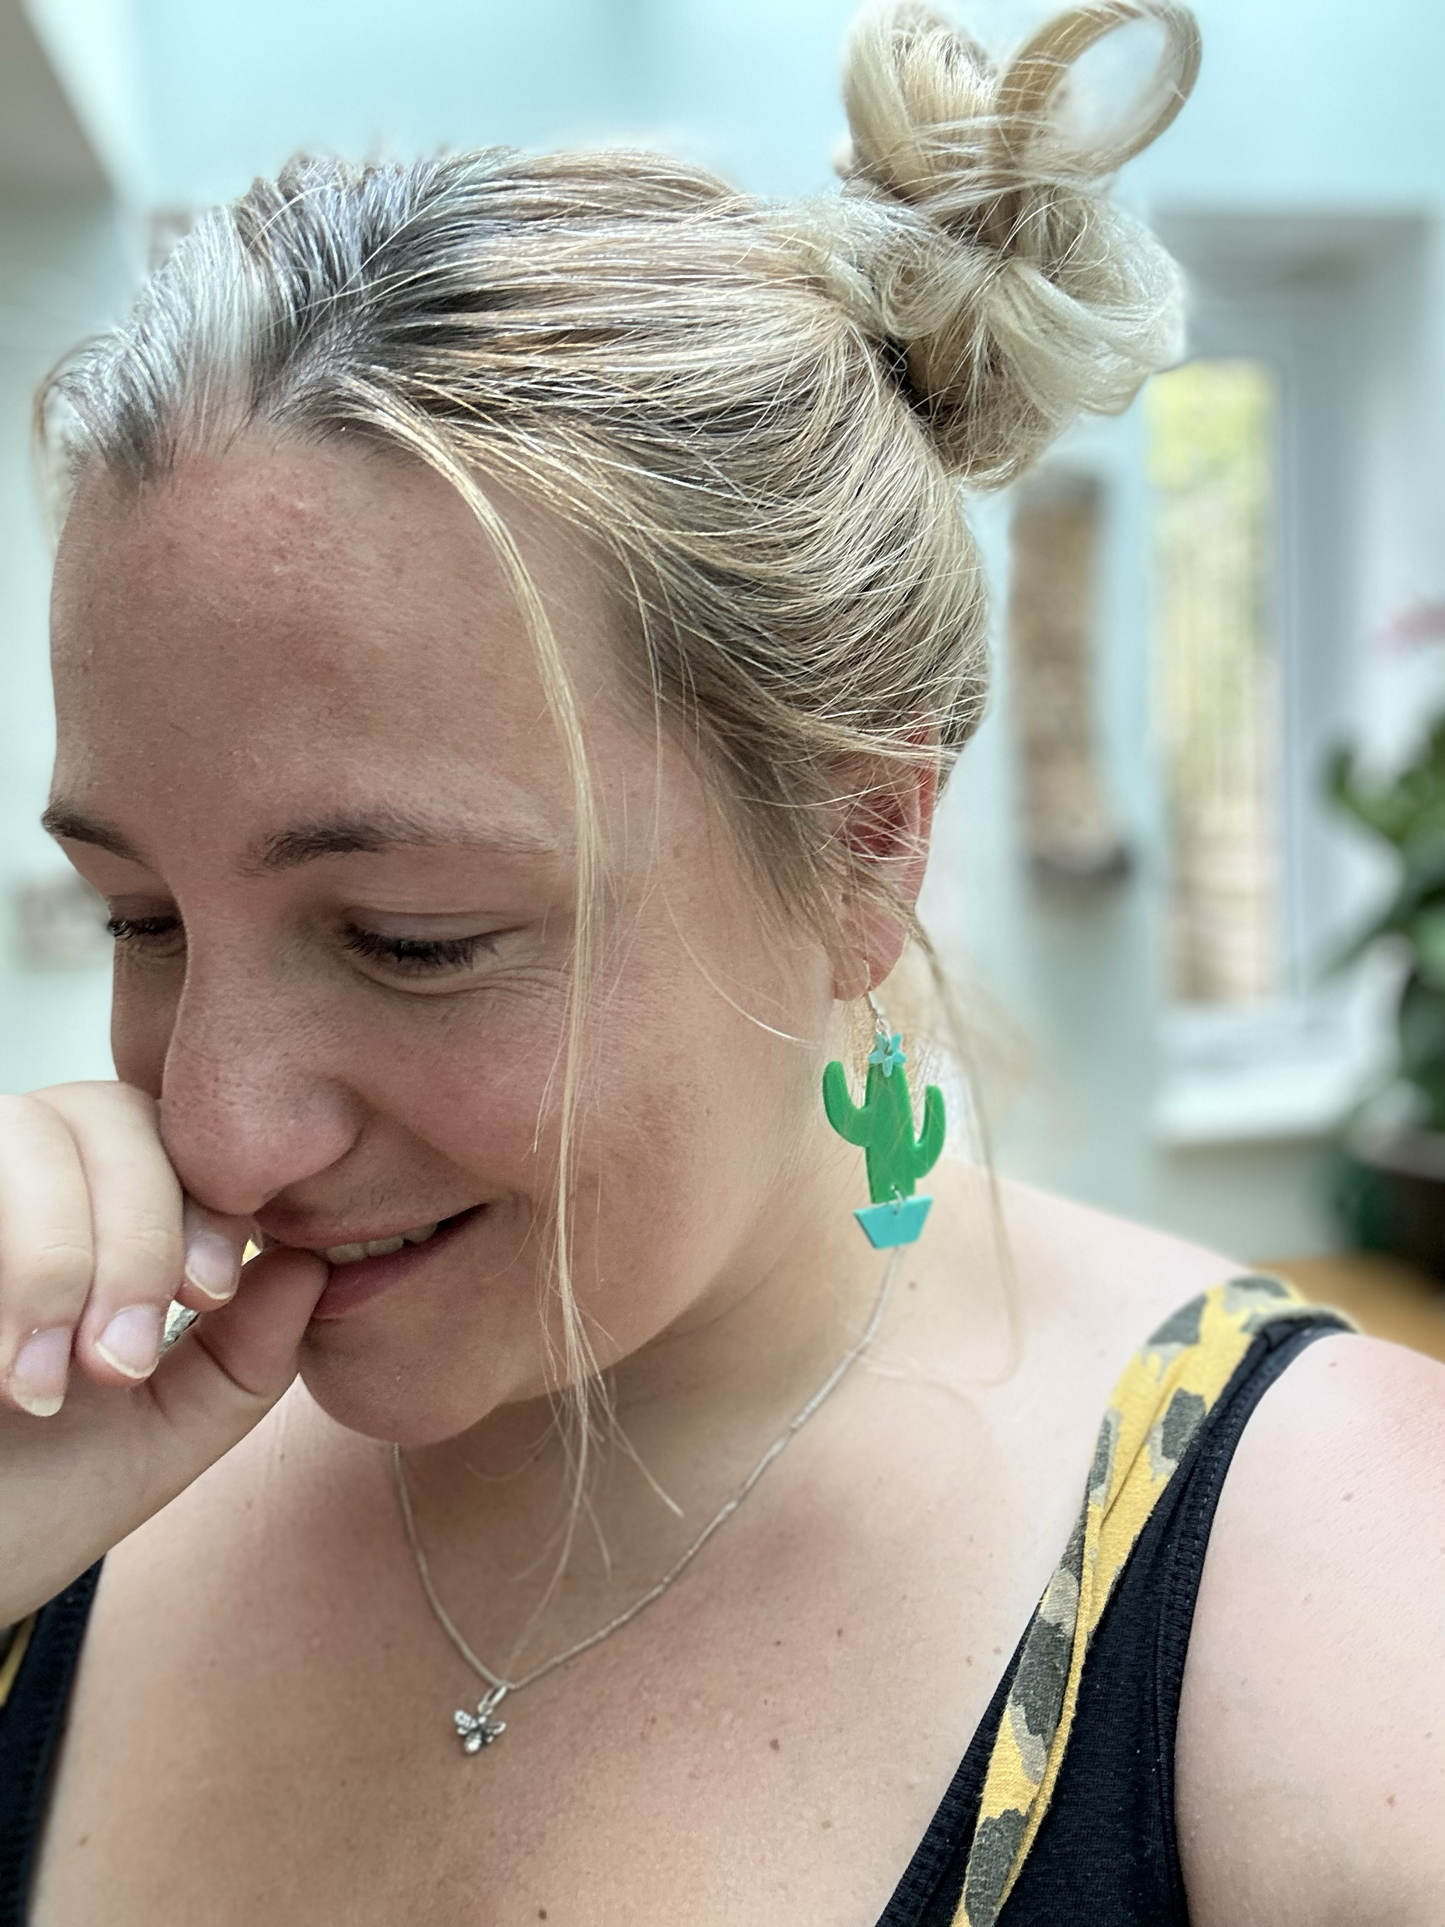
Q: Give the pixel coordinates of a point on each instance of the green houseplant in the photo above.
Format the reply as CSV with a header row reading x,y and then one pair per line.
x,y
1391,1176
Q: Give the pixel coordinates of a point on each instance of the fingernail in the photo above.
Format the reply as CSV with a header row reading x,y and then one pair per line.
x,y
131,1342
37,1378
211,1266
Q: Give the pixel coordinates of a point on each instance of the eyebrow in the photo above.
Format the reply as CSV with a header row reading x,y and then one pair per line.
x,y
358,833
74,826
375,832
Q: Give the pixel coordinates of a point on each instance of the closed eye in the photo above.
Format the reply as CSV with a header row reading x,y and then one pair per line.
x,y
418,955
141,930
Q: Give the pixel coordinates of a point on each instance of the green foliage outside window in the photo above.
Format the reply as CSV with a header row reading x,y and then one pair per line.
x,y
1408,813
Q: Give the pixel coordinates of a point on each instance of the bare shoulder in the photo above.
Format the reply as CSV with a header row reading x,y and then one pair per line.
x,y
1311,1746
1088,1288
1087,1271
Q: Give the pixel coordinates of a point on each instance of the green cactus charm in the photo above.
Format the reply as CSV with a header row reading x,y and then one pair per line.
x,y
882,1127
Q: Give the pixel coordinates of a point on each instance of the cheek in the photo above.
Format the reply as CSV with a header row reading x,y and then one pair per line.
x,y
692,1111
682,1115
483,1086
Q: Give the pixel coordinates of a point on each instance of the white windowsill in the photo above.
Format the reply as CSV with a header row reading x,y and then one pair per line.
x,y
1265,1101
1238,1077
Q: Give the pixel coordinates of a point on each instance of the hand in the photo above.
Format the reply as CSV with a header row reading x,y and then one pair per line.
x,y
97,1432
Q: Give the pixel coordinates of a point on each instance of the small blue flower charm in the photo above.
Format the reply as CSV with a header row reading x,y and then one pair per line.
x,y
888,1052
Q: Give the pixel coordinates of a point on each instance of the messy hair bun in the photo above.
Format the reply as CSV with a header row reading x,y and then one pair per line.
x,y
973,241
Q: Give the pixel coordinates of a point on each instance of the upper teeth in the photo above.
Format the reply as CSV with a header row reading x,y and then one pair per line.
x,y
378,1247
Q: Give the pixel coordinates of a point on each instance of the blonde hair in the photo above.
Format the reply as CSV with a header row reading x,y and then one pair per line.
x,y
759,415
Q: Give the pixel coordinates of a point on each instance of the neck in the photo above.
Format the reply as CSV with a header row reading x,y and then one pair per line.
x,y
688,1416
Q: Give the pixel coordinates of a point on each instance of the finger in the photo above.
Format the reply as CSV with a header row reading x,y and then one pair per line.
x,y
46,1254
235,1363
214,1247
135,1210
121,1456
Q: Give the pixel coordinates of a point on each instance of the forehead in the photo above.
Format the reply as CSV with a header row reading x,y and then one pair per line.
x,y
332,616
361,562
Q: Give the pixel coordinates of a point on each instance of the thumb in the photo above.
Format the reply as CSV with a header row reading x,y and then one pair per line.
x,y
236,1362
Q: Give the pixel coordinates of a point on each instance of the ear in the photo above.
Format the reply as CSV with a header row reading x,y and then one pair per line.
x,y
885,822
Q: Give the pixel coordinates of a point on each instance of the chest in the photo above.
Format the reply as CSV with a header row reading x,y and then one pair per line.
x,y
262,1728
265,1732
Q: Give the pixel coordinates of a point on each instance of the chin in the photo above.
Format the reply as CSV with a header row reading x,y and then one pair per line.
x,y
431,1358
410,1395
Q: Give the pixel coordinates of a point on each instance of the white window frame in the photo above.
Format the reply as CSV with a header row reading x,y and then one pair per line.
x,y
1294,294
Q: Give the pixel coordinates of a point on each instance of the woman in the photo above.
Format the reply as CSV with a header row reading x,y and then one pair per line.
x,y
512,618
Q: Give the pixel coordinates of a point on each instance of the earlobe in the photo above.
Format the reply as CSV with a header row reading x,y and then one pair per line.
x,y
852,978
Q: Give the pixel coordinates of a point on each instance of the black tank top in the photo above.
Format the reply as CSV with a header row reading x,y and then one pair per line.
x,y
1106,1852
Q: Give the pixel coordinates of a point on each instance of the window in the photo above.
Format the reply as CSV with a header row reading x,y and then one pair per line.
x,y
1212,430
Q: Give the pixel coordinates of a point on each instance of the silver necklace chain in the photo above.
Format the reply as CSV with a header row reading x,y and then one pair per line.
x,y
480,1729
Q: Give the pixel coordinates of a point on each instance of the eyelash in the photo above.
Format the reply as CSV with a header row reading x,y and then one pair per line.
x,y
416,956
141,929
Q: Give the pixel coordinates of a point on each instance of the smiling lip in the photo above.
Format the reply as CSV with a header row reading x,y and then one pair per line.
x,y
352,1285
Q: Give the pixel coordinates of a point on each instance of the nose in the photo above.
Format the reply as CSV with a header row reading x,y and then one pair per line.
x,y
252,1101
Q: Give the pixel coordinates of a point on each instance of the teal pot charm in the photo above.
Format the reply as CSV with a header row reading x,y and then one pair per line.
x,y
898,1223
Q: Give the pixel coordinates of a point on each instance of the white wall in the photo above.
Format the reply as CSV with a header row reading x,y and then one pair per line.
x,y
61,276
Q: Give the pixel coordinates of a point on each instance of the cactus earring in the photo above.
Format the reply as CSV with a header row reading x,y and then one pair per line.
x,y
882,1127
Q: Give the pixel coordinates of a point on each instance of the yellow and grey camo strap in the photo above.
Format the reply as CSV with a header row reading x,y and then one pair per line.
x,y
13,1642
1164,1394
